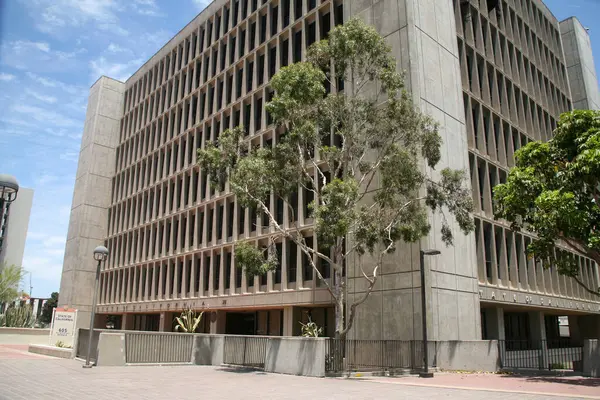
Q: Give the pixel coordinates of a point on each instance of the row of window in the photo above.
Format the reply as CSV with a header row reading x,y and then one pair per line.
x,y
168,115
502,260
209,273
493,43
518,67
240,41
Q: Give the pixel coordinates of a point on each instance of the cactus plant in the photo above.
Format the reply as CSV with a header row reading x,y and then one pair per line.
x,y
311,329
188,321
18,317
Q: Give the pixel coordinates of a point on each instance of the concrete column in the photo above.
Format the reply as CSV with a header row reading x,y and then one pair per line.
x,y
217,322
495,323
591,358
584,327
537,328
128,321
166,320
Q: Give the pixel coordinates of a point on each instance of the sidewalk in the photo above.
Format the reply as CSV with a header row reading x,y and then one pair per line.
x,y
573,386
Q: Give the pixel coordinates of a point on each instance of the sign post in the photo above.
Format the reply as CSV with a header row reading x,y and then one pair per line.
x,y
63,326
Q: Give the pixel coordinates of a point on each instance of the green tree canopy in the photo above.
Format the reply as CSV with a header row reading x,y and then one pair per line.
x,y
10,278
554,192
349,135
51,304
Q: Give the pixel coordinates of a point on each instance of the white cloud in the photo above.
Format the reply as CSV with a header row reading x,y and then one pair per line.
x,y
52,83
147,7
118,71
47,117
27,45
115,48
41,97
7,77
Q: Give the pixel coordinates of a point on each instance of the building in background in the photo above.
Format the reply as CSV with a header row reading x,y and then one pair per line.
x,y
493,73
14,223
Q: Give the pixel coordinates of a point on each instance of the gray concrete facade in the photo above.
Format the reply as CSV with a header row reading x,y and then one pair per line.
x,y
494,79
91,198
14,223
580,65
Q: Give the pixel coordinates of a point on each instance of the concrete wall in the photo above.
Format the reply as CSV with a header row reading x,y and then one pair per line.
x,y
580,65
208,350
88,223
111,349
24,336
296,356
17,225
591,358
422,35
475,355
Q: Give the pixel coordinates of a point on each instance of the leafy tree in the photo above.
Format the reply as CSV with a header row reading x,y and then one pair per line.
x,y
51,304
357,150
10,278
554,192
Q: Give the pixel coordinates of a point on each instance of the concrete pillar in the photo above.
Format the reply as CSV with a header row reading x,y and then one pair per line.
x,y
288,321
217,322
574,332
591,358
537,329
494,320
166,322
128,322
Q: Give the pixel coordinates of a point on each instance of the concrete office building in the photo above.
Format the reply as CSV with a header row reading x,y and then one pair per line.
x,y
14,223
493,73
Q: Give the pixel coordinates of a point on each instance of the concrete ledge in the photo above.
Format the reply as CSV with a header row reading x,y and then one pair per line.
x,y
52,351
468,355
111,349
296,356
25,331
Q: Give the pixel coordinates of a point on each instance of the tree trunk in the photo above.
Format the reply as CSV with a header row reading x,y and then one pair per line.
x,y
339,304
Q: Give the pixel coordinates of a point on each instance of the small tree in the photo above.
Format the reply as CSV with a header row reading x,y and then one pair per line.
x,y
554,192
188,321
49,306
356,150
10,278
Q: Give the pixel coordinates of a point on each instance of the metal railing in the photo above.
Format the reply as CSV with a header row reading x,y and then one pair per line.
x,y
540,354
248,351
158,347
354,355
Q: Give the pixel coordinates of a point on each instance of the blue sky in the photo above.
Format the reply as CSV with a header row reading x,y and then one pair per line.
x,y
51,51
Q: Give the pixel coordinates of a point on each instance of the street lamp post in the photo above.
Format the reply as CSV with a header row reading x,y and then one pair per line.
x,y
423,253
100,254
9,187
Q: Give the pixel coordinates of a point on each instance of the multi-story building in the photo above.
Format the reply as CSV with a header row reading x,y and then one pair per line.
x,y
14,223
492,72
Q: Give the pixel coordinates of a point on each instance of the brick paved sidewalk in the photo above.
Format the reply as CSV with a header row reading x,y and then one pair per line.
x,y
548,385
19,351
42,379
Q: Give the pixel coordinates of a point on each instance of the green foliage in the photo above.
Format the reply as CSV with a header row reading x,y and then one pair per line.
x,y
360,151
62,345
18,317
554,192
10,278
51,304
311,329
188,321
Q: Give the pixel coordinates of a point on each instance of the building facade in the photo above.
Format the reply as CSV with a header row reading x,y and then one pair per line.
x,y
492,73
14,223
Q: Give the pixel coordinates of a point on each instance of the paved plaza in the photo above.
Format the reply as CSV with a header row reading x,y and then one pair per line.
x,y
28,376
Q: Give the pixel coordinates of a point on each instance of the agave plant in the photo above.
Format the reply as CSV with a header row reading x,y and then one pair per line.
x,y
18,317
311,329
188,321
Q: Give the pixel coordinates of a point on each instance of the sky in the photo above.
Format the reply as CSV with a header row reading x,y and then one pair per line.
x,y
51,52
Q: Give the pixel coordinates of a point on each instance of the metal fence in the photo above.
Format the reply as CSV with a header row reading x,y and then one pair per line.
x,y
158,348
248,351
540,354
363,355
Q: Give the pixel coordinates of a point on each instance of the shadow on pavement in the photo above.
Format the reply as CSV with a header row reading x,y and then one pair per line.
x,y
242,370
576,381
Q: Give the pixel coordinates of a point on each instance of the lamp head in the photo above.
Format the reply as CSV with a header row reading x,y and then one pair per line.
x,y
100,253
8,187
431,252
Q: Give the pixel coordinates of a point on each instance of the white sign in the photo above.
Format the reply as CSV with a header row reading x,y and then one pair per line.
x,y
63,326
